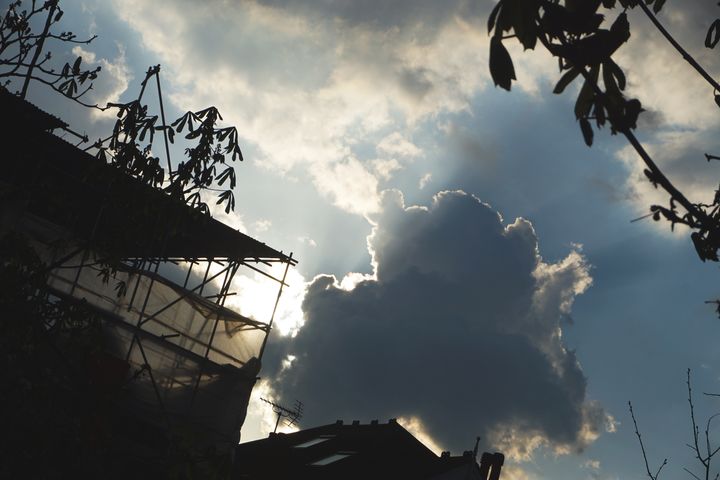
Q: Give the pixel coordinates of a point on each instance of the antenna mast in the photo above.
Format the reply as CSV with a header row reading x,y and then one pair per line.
x,y
292,415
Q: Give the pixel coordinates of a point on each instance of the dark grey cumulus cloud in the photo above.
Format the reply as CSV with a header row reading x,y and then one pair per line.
x,y
459,329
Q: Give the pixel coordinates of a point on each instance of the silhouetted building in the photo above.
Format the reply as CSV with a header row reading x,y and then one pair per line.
x,y
355,451
177,357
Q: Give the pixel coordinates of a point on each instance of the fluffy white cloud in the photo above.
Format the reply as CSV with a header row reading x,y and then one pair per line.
x,y
459,328
312,89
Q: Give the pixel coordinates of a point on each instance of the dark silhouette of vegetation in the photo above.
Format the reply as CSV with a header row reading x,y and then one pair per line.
x,y
701,445
24,59
576,34
129,148
23,56
56,397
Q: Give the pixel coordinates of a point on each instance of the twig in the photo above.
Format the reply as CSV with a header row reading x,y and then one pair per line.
x,y
659,176
38,49
642,447
678,47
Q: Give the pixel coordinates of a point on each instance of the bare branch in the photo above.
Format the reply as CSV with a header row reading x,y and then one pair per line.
x,y
691,473
642,448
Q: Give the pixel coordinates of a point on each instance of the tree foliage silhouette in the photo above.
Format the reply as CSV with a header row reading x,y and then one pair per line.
x,y
51,408
23,56
577,34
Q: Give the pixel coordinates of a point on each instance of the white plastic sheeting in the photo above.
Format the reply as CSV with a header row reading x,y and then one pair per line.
x,y
161,308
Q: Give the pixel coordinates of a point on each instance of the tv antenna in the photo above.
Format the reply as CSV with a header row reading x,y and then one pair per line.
x,y
292,415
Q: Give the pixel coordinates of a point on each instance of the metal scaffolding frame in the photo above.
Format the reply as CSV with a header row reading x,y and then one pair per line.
x,y
191,259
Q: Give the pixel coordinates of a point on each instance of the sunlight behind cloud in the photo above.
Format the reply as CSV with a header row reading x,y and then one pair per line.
x,y
415,426
256,295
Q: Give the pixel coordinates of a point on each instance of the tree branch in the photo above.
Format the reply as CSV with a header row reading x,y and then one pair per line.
x,y
642,447
38,48
678,47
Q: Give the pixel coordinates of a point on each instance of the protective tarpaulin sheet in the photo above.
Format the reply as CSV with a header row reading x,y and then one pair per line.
x,y
159,307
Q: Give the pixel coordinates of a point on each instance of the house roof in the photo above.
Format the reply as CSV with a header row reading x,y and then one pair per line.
x,y
375,450
98,202
22,113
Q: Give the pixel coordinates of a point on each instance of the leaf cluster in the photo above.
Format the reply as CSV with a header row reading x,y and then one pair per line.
x,y
576,33
572,31
205,167
22,55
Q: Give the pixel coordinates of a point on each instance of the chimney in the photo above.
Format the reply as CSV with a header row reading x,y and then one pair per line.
x,y
374,422
445,455
356,422
338,422
499,461
491,463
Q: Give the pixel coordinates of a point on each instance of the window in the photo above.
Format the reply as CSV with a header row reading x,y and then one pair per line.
x,y
312,442
336,457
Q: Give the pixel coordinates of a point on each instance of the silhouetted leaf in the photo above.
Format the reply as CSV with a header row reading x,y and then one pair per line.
x,y
617,77
525,28
566,79
193,134
599,111
584,101
658,5
587,131
76,66
493,16
713,34
620,29
501,66
507,16
632,112
227,196
717,101
699,245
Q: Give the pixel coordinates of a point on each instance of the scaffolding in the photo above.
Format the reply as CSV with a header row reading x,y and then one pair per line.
x,y
187,358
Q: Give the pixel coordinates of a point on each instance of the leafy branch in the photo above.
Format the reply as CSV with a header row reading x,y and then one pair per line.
x,y
206,167
571,31
22,58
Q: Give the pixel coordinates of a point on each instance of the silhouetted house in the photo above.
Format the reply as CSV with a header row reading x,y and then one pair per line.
x,y
174,354
355,451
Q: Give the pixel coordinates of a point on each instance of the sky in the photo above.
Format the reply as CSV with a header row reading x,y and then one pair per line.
x,y
466,263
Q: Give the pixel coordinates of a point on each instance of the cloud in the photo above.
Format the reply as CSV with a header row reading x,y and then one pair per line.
x,y
311,88
256,295
396,144
459,329
658,74
262,226
415,426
